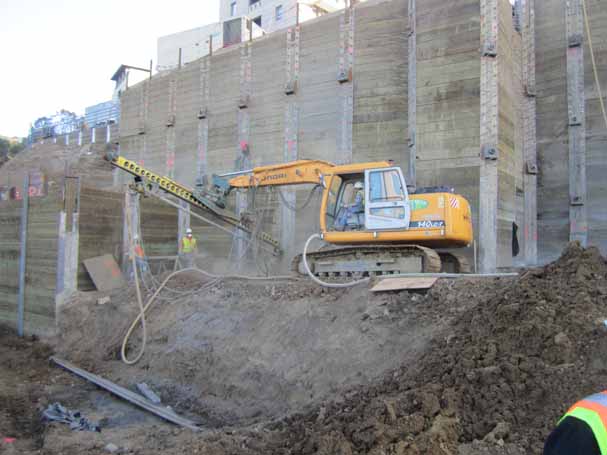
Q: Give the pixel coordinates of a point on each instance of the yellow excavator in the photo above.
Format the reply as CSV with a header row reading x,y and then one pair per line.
x,y
374,226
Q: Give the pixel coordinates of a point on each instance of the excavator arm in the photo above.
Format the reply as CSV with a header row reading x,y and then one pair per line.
x,y
293,173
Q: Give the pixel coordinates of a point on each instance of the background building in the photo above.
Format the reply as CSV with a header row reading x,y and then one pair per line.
x,y
239,20
193,43
272,15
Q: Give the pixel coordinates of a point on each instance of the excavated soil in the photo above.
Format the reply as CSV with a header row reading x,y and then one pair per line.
x,y
472,367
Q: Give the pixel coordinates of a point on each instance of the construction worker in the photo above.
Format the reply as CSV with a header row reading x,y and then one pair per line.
x,y
359,198
582,430
349,212
188,248
140,259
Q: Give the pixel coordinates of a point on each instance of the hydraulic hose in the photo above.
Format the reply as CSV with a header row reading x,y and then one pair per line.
x,y
144,309
319,281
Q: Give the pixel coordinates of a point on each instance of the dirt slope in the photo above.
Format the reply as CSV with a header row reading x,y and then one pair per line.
x,y
505,372
55,160
474,367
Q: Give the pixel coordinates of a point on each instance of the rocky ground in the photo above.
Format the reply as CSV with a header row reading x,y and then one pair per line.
x,y
471,367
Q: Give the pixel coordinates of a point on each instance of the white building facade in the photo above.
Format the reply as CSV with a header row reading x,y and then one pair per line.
x,y
272,15
194,44
266,16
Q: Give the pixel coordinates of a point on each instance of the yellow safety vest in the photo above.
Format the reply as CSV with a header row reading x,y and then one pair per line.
x,y
593,411
188,245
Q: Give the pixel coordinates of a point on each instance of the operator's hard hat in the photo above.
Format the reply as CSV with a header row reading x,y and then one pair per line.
x,y
188,231
358,185
136,237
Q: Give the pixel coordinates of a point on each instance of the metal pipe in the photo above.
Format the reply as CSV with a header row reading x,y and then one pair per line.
x,y
451,275
125,394
232,174
23,255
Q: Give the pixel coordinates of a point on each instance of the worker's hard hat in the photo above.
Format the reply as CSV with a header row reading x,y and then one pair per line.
x,y
358,185
136,237
188,231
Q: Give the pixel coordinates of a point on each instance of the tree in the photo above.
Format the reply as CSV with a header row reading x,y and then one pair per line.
x,y
16,148
9,149
5,146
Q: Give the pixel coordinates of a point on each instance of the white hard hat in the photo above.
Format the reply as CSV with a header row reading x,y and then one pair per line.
x,y
358,185
188,231
136,237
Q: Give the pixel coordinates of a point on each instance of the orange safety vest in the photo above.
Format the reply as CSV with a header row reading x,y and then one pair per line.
x,y
139,251
593,411
188,245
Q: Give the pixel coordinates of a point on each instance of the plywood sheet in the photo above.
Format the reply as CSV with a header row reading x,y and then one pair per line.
x,y
399,284
104,272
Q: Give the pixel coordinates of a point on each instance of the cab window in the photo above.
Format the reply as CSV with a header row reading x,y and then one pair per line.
x,y
385,186
332,199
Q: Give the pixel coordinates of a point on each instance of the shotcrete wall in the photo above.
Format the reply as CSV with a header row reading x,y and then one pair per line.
x,y
347,76
553,125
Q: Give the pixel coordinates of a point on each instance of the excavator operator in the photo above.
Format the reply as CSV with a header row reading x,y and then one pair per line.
x,y
350,212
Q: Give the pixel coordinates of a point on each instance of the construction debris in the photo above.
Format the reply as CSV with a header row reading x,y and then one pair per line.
x,y
126,394
402,284
145,390
58,413
104,300
104,272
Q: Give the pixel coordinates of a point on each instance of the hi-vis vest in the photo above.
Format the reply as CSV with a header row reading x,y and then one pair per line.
x,y
188,245
593,411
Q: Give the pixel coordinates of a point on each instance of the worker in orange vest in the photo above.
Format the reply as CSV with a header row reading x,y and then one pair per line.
x,y
582,430
188,248
140,259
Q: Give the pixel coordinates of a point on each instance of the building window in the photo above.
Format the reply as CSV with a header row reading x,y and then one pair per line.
x,y
253,2
233,9
278,13
257,20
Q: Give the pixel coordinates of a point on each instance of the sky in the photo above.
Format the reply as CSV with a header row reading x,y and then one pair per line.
x,y
61,54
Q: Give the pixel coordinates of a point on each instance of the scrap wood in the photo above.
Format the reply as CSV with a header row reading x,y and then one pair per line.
x,y
127,395
104,272
397,284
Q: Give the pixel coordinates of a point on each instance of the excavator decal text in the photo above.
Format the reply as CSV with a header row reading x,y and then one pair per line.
x,y
274,177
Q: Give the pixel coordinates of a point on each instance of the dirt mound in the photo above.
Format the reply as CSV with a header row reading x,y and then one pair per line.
x,y
473,367
245,352
496,382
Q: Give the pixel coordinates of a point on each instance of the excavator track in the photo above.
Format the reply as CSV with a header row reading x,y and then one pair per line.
x,y
454,262
368,260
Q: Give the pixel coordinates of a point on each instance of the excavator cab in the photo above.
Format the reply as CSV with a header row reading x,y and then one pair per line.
x,y
387,200
370,200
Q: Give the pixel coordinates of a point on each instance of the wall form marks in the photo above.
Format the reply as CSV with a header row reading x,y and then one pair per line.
x,y
578,219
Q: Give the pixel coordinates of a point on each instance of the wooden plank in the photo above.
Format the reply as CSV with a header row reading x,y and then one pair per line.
x,y
105,273
399,284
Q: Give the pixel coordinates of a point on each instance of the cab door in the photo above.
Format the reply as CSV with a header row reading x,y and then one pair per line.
x,y
386,199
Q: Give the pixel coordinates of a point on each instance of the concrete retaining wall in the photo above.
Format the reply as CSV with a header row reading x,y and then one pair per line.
x,y
41,263
552,128
350,104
